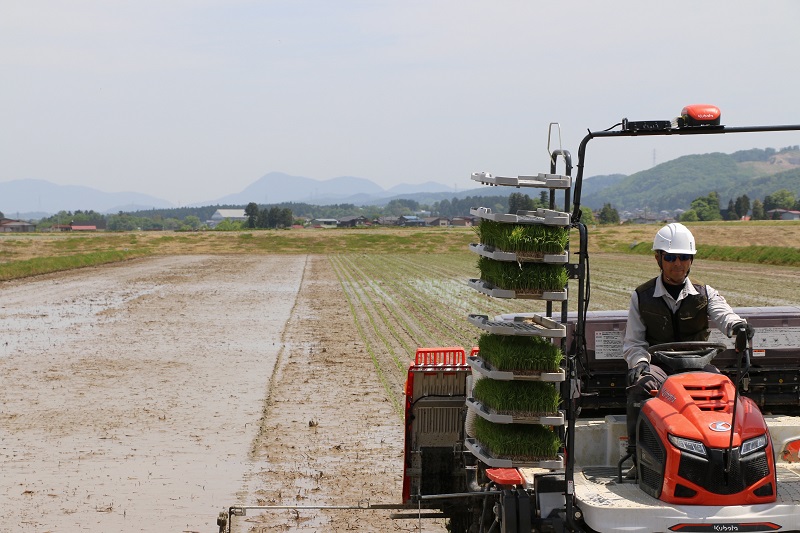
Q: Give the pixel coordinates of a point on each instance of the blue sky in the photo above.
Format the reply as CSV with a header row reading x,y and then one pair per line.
x,y
190,100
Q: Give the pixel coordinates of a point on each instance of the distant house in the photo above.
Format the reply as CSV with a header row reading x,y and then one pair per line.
x,y
649,219
462,221
8,225
386,221
76,227
411,220
324,223
437,221
783,214
236,215
352,221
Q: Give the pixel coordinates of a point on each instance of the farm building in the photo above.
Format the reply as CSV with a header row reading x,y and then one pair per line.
x,y
646,219
8,225
386,221
236,215
437,221
324,223
783,214
72,226
462,221
411,220
352,221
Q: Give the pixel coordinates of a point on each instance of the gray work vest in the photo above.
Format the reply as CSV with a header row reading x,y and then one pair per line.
x,y
688,323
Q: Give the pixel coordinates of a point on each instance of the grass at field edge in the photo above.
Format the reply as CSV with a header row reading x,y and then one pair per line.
x,y
46,265
768,255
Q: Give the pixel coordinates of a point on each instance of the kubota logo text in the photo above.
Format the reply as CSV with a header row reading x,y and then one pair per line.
x,y
667,396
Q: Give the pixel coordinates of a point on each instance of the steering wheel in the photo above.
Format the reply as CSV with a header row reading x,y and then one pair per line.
x,y
683,356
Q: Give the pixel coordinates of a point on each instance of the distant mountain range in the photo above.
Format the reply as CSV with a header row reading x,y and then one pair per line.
x,y
33,199
277,187
670,186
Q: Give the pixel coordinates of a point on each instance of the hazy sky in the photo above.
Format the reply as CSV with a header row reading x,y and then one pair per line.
x,y
190,100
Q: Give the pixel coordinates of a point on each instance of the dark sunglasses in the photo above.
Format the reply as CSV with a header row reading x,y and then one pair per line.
x,y
670,258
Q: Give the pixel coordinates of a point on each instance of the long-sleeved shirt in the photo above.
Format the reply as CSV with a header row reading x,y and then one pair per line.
x,y
634,346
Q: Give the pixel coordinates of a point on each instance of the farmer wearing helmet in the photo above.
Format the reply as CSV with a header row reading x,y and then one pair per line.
x,y
669,308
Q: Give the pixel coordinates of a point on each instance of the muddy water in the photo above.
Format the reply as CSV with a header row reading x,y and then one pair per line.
x,y
131,394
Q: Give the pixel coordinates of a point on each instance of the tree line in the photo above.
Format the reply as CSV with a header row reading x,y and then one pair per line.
x,y
272,218
121,221
286,214
708,207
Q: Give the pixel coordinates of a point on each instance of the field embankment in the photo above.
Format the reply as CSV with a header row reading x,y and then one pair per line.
x,y
763,242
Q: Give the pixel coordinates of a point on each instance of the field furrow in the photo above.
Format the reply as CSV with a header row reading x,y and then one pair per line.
x,y
382,353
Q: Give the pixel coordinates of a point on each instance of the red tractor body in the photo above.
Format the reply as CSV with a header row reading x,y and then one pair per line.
x,y
686,452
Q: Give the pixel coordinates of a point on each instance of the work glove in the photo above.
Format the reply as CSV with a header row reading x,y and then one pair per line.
x,y
642,367
743,326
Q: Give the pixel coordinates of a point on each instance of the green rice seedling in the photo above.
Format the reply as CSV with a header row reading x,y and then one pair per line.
x,y
518,442
523,238
520,354
524,278
521,398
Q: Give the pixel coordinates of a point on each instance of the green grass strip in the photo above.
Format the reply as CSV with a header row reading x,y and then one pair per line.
x,y
47,265
769,255
521,442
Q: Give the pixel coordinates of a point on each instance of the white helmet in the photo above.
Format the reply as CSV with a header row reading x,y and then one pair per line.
x,y
675,238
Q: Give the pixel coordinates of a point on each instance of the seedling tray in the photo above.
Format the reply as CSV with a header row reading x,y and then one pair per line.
x,y
542,181
487,458
547,217
535,325
499,418
499,255
495,292
485,369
